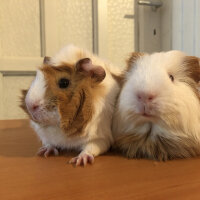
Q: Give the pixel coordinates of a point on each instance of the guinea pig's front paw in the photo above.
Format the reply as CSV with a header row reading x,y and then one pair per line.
x,y
47,151
82,159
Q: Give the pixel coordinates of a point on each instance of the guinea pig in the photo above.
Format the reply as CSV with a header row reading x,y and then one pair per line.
x,y
71,103
158,110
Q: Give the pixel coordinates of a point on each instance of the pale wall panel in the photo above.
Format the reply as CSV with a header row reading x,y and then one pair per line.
x,y
186,26
19,28
177,25
120,30
188,34
166,26
149,29
197,28
74,23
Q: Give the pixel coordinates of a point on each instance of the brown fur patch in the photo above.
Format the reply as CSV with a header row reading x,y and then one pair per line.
x,y
158,148
46,60
192,70
77,113
130,61
22,101
74,103
119,78
133,58
65,67
86,67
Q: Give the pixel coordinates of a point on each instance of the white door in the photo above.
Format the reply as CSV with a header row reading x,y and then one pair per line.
x,y
185,25
31,29
177,24
149,25
117,29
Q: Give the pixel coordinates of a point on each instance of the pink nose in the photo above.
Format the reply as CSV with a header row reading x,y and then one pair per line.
x,y
32,107
35,107
145,97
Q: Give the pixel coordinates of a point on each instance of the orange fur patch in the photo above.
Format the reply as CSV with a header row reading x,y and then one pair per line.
x,y
22,101
74,103
192,67
130,62
119,78
192,70
133,58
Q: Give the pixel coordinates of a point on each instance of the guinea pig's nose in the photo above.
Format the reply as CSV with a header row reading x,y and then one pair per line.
x,y
35,107
145,97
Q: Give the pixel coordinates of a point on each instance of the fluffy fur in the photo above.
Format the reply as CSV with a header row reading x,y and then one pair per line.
x,y
79,117
167,124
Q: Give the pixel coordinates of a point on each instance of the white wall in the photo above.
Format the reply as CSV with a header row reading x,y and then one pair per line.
x,y
149,29
166,25
27,34
31,29
73,21
186,26
19,28
180,26
120,30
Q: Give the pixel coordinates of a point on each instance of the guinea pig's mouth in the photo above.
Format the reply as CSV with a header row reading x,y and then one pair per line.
x,y
147,115
46,119
43,116
37,117
146,111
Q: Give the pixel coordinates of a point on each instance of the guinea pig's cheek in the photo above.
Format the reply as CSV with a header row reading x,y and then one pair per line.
x,y
51,118
135,105
55,117
37,116
43,116
139,108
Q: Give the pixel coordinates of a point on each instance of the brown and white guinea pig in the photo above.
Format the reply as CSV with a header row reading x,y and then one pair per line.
x,y
158,110
71,103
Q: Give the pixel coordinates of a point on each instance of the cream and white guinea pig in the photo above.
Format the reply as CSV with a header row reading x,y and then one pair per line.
x,y
71,103
158,110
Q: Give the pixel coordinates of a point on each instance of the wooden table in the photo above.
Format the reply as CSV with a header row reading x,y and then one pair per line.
x,y
25,176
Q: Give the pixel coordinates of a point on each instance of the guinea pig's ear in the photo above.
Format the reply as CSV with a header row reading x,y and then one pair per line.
x,y
192,65
85,67
46,60
133,58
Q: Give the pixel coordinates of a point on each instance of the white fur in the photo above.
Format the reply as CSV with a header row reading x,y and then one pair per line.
x,y
68,55
97,136
37,90
176,107
36,96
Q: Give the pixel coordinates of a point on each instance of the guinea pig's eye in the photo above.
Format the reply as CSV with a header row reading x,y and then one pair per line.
x,y
63,83
171,77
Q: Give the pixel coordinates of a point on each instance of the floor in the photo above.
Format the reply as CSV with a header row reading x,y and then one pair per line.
x,y
24,176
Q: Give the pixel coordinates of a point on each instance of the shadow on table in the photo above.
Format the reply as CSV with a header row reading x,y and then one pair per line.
x,y
19,140
23,142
